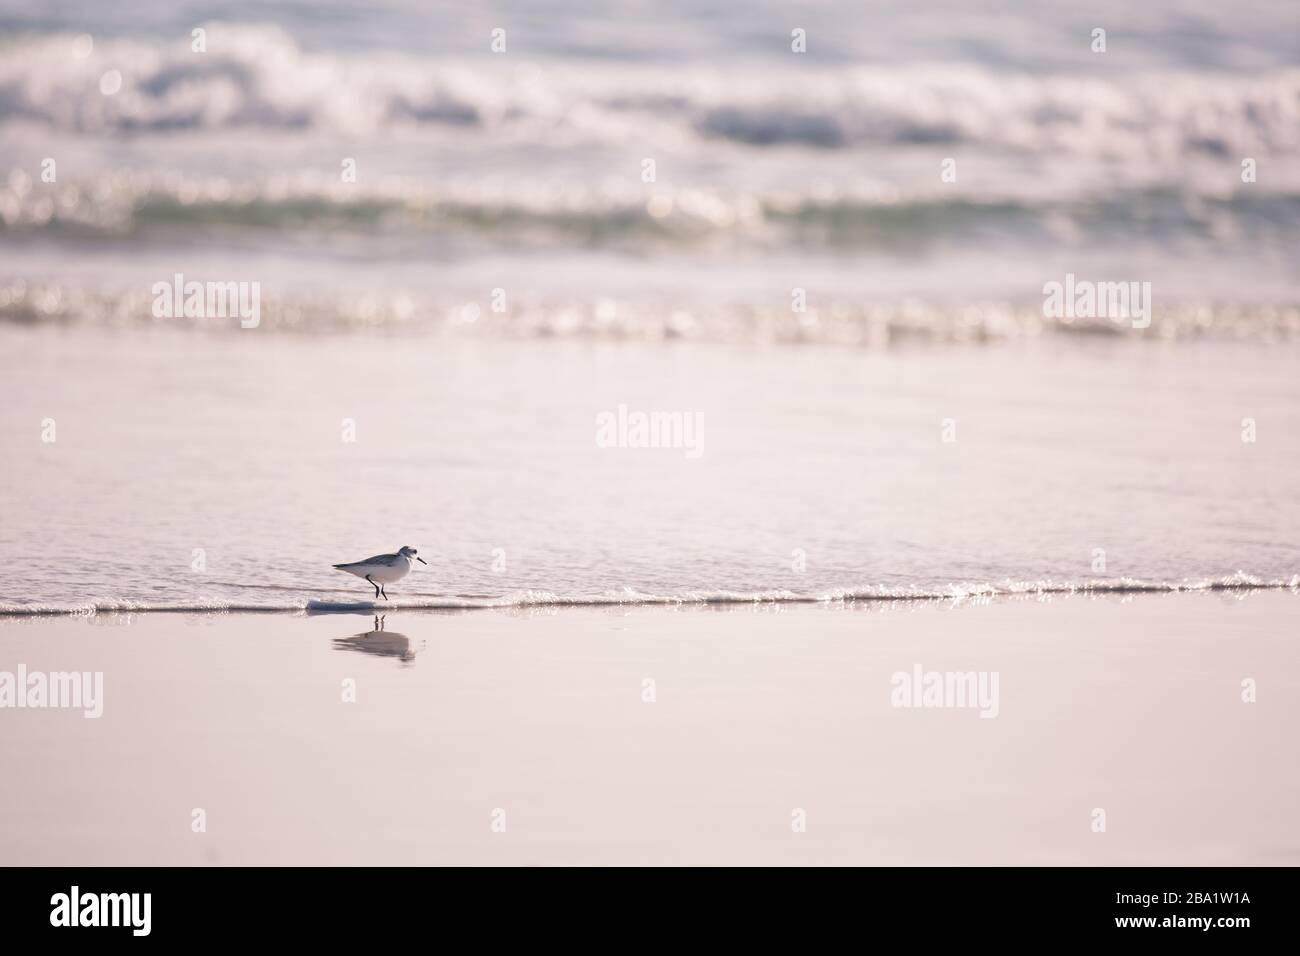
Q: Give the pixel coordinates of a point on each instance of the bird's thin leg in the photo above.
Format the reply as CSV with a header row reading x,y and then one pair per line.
x,y
383,592
373,585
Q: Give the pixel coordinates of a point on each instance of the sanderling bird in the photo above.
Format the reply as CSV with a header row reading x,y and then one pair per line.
x,y
384,568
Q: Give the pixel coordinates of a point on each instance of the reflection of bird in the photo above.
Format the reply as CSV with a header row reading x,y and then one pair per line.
x,y
379,642
383,568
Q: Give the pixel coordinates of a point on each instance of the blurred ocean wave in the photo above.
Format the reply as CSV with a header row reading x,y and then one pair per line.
x,y
259,78
774,172
123,203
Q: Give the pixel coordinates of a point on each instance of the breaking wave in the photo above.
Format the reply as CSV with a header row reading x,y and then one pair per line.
x,y
257,77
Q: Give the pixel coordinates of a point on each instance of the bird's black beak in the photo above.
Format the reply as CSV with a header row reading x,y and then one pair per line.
x,y
421,560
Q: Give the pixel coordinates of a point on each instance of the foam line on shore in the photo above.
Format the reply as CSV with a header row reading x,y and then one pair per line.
x,y
628,597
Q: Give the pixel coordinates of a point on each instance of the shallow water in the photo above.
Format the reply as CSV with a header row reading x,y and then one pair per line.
x,y
190,469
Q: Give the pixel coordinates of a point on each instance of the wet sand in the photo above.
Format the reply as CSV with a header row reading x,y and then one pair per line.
x,y
525,737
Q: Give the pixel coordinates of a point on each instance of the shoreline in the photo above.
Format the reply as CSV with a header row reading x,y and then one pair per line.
x,y
313,606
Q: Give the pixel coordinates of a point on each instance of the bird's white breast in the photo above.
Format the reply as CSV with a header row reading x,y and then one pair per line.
x,y
390,573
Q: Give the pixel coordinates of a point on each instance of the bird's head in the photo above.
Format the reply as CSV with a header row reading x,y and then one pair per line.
x,y
411,553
